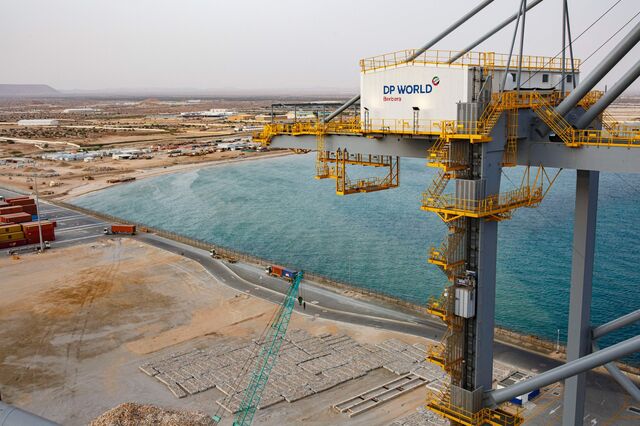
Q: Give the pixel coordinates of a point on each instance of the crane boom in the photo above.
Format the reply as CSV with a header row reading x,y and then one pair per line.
x,y
268,356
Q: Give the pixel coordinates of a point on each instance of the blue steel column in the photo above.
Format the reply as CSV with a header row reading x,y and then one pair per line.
x,y
579,335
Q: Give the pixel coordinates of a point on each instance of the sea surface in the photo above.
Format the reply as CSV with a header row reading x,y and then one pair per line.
x,y
275,209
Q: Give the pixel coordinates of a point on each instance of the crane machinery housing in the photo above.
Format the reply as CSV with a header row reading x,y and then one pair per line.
x,y
470,114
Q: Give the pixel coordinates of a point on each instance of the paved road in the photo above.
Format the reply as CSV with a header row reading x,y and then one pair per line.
x,y
77,228
72,227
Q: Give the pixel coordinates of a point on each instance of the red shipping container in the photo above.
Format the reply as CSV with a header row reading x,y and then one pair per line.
x,y
28,226
15,218
32,231
35,237
30,208
35,223
10,210
25,202
9,244
23,197
33,226
47,234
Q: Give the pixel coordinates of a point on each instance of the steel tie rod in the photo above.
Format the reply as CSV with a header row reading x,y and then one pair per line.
x,y
418,52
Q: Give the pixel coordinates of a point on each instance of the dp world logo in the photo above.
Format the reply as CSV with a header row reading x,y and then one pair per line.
x,y
435,80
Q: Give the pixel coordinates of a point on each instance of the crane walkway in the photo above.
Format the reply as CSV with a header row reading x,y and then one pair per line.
x,y
442,131
498,206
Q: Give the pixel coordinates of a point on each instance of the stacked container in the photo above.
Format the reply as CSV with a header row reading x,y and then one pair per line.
x,y
32,234
26,204
18,226
11,236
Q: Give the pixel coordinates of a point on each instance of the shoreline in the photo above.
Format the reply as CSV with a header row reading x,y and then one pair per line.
x,y
139,174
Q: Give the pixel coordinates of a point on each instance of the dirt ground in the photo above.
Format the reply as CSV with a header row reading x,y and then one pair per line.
x,y
76,323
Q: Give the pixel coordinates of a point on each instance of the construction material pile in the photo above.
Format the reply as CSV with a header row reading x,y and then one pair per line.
x,y
130,414
307,365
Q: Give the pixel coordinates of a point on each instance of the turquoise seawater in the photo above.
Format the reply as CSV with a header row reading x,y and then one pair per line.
x,y
273,208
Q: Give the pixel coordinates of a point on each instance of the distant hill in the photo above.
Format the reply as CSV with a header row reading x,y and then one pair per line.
x,y
26,90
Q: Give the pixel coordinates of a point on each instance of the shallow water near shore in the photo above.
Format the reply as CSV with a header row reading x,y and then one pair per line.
x,y
274,209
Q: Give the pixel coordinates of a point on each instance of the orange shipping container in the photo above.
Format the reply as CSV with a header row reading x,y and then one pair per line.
x,y
123,229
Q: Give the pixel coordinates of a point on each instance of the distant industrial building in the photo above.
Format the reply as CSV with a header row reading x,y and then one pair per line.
x,y
80,110
301,115
127,154
267,117
39,122
242,117
212,113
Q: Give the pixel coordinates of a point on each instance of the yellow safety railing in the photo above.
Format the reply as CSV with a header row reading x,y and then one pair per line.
x,y
480,59
493,205
441,404
474,131
437,307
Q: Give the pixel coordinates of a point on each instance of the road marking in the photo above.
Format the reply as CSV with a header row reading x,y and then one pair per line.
x,y
555,409
47,210
68,217
73,228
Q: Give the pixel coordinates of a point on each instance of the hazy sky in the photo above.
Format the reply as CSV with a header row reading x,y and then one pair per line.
x,y
263,45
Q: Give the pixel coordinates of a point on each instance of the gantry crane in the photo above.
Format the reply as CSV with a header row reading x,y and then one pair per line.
x,y
267,356
471,151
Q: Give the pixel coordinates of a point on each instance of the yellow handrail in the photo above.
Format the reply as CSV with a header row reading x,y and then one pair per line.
x,y
482,59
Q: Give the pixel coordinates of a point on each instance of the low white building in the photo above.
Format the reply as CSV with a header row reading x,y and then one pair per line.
x,y
126,154
301,115
39,122
80,110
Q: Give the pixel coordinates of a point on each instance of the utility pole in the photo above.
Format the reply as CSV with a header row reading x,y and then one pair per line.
x,y
35,179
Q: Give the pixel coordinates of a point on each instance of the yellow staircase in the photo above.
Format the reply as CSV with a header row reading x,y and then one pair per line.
x,y
322,165
555,121
439,183
491,114
510,155
450,256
